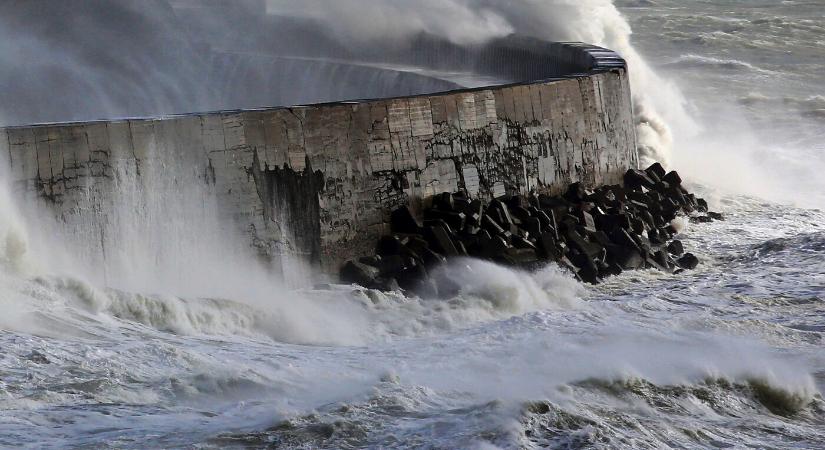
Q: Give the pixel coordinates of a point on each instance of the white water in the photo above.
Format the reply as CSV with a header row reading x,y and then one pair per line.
x,y
181,344
664,352
474,21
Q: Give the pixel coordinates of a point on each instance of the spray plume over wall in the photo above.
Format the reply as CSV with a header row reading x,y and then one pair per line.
x,y
468,22
136,58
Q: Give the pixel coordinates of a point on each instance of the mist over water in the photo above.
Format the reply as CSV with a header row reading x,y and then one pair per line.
x,y
180,338
752,72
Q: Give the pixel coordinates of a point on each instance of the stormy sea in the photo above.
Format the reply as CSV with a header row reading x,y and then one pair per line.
x,y
179,341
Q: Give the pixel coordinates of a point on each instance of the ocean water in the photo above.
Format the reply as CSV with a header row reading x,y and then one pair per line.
x,y
727,356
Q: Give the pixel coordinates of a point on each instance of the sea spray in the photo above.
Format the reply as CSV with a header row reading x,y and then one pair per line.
x,y
648,363
13,237
658,103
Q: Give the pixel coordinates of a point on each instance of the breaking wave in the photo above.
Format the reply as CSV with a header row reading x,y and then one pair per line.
x,y
807,244
338,315
513,359
811,106
693,61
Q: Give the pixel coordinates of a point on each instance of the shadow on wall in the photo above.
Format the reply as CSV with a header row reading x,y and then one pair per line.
x,y
291,205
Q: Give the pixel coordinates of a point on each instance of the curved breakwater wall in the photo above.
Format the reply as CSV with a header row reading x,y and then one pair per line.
x,y
319,181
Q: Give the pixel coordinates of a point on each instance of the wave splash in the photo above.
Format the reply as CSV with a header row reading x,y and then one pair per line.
x,y
340,315
658,103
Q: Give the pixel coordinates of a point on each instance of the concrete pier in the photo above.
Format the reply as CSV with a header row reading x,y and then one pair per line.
x,y
319,181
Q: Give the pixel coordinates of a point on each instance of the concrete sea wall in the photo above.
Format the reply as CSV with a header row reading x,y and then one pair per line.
x,y
319,181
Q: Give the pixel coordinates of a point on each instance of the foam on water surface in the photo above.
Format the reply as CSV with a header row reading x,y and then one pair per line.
x,y
219,355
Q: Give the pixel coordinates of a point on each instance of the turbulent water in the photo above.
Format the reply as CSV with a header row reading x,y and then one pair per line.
x,y
727,356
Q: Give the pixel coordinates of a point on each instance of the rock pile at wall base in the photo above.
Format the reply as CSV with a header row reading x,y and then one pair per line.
x,y
593,233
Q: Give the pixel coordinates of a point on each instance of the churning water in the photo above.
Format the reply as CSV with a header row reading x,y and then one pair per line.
x,y
728,356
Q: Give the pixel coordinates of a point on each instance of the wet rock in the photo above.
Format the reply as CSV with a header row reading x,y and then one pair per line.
x,y
499,210
688,261
637,226
461,204
492,226
604,198
548,247
672,178
654,262
416,243
576,193
374,261
656,236
430,223
520,242
676,196
459,246
623,238
692,200
611,222
595,233
578,242
496,247
628,258
548,222
639,198
523,257
568,223
402,220
669,208
388,246
610,269
520,214
359,273
658,191
675,248
656,171
587,221
587,269
432,258
480,241
601,238
415,279
387,284
444,202
644,243
648,219
661,223
533,227
701,219
439,239
455,220
636,179
661,257
392,264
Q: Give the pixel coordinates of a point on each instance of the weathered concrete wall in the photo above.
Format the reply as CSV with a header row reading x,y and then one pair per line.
x,y
321,180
